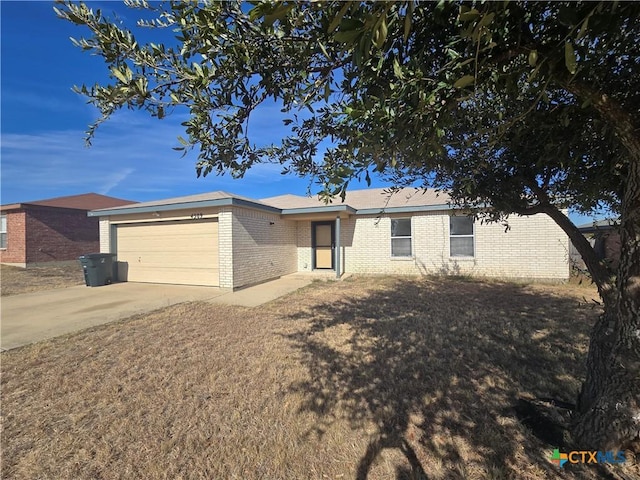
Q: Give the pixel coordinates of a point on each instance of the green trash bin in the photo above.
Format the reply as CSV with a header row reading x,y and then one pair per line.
x,y
99,269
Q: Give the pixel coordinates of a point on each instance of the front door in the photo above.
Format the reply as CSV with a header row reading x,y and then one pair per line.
x,y
322,239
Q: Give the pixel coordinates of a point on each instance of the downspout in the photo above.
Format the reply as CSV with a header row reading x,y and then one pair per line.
x,y
338,247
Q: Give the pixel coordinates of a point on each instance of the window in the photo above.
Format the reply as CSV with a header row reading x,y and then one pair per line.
x,y
3,231
461,236
401,237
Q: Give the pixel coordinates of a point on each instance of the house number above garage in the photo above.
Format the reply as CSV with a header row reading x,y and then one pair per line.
x,y
197,216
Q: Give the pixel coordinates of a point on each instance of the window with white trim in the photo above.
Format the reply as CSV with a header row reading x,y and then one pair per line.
x,y
461,230
401,237
3,231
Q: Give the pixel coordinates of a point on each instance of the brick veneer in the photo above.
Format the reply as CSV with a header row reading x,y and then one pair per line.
x,y
264,247
255,246
40,235
535,247
16,249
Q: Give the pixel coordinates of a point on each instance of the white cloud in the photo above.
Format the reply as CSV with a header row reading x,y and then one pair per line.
x,y
131,157
115,179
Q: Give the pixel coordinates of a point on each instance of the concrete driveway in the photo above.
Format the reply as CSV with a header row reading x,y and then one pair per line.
x,y
32,317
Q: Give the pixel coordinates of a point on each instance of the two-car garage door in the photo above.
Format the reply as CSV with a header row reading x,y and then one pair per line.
x,y
180,252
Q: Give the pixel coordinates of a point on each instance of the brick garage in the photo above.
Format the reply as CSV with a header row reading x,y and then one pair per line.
x,y
257,240
52,230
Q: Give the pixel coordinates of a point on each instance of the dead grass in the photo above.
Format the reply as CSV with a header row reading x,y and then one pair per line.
x,y
15,280
371,378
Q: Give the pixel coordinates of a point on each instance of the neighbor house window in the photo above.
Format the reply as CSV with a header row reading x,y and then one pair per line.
x,y
401,237
3,231
461,236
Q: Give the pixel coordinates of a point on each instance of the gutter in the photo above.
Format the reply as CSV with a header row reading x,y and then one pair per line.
x,y
219,202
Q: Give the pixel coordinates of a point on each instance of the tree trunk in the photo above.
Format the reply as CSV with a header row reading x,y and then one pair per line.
x,y
608,413
608,409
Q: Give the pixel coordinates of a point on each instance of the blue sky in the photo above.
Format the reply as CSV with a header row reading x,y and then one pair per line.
x,y
43,122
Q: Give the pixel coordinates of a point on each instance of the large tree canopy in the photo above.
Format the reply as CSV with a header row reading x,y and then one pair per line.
x,y
529,107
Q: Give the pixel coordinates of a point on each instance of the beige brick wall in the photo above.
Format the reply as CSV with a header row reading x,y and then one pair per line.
x,y
251,250
534,247
304,246
225,248
264,246
105,235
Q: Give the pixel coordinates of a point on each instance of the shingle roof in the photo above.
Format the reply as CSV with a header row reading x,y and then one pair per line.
x,y
370,198
365,200
85,201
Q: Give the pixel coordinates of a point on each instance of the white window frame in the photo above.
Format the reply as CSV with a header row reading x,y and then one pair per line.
x,y
472,236
3,231
410,236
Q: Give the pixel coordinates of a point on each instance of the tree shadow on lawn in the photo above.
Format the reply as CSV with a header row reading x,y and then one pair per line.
x,y
438,367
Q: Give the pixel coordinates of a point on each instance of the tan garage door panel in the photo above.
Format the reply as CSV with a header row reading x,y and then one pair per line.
x,y
170,252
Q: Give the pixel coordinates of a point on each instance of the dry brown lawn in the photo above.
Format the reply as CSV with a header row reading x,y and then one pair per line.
x,y
370,378
15,280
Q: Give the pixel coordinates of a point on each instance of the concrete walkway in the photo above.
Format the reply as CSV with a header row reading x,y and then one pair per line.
x,y
32,317
264,292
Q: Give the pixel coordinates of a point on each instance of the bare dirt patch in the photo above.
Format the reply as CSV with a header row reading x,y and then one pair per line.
x,y
370,378
15,280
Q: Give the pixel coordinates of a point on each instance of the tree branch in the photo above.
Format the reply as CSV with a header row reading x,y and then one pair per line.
x,y
600,273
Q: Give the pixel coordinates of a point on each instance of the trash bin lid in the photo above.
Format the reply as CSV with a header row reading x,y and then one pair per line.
x,y
96,256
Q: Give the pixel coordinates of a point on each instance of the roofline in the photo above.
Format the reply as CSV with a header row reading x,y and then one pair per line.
x,y
22,206
238,202
407,209
11,206
325,209
218,202
598,228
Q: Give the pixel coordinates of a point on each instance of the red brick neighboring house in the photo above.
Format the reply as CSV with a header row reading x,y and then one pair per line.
x,y
52,230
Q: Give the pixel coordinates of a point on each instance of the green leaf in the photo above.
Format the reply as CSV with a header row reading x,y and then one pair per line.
x,y
350,24
278,14
397,70
583,29
381,33
347,37
338,18
324,51
407,22
121,76
487,19
469,16
465,81
257,11
570,58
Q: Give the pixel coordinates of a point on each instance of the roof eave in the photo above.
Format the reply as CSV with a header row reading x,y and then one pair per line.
x,y
11,206
219,202
407,209
325,209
